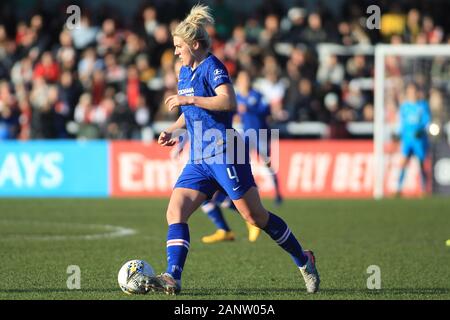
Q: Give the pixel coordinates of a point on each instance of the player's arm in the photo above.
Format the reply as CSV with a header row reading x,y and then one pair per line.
x,y
168,138
263,106
225,100
426,118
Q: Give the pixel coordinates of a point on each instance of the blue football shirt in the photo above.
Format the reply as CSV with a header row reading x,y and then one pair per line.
x,y
257,110
206,129
414,119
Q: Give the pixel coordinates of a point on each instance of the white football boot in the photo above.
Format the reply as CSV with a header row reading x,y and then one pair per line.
x,y
310,274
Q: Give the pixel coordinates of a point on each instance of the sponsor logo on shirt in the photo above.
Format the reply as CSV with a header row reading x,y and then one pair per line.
x,y
219,73
186,92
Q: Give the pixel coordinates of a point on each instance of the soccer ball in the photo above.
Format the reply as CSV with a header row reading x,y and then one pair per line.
x,y
131,274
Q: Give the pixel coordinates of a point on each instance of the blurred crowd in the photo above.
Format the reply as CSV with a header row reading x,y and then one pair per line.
x,y
108,77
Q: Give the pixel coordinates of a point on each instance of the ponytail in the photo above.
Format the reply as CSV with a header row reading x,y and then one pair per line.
x,y
193,27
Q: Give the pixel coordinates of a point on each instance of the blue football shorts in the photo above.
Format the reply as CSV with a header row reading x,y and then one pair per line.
x,y
417,147
235,179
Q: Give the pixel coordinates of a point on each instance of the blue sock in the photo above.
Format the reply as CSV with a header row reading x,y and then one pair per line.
x,y
177,248
215,215
224,201
278,230
275,182
401,179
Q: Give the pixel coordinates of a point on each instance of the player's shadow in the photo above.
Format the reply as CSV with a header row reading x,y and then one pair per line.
x,y
388,291
60,290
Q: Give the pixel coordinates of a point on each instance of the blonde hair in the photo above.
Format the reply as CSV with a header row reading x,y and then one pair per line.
x,y
192,28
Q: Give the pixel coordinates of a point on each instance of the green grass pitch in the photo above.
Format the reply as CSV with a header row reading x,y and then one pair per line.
x,y
405,238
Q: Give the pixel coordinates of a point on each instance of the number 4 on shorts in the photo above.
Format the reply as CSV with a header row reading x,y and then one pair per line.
x,y
232,175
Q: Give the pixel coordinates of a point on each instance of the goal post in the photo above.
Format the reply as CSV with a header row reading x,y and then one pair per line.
x,y
380,127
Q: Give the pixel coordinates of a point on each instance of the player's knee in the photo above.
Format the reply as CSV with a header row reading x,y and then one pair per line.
x,y
257,218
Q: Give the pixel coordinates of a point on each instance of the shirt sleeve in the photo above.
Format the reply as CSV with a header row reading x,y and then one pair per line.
x,y
217,74
401,116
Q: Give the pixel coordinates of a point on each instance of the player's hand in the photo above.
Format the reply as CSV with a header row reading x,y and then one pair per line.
x,y
241,108
175,101
419,134
175,153
395,137
165,139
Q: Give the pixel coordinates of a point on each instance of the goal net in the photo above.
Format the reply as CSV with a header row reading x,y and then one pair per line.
x,y
428,66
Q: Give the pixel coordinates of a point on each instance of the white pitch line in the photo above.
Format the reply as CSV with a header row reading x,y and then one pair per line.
x,y
112,231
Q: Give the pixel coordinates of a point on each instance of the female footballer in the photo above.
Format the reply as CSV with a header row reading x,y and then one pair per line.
x,y
207,101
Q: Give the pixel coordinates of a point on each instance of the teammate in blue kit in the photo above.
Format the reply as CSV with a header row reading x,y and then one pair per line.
x,y
414,116
253,111
224,233
207,101
213,209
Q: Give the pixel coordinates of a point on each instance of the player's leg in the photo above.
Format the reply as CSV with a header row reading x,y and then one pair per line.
x,y
214,213
192,188
406,150
401,178
262,147
273,175
252,210
183,202
423,176
222,199
420,150
238,182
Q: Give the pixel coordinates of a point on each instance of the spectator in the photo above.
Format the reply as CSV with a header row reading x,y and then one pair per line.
x,y
9,115
120,123
98,86
296,25
22,72
338,117
150,21
270,34
236,44
145,72
357,67
47,68
304,106
273,88
314,33
114,73
70,91
108,39
87,65
133,47
56,116
331,71
134,88
65,52
85,35
158,44
142,117
253,29
412,27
